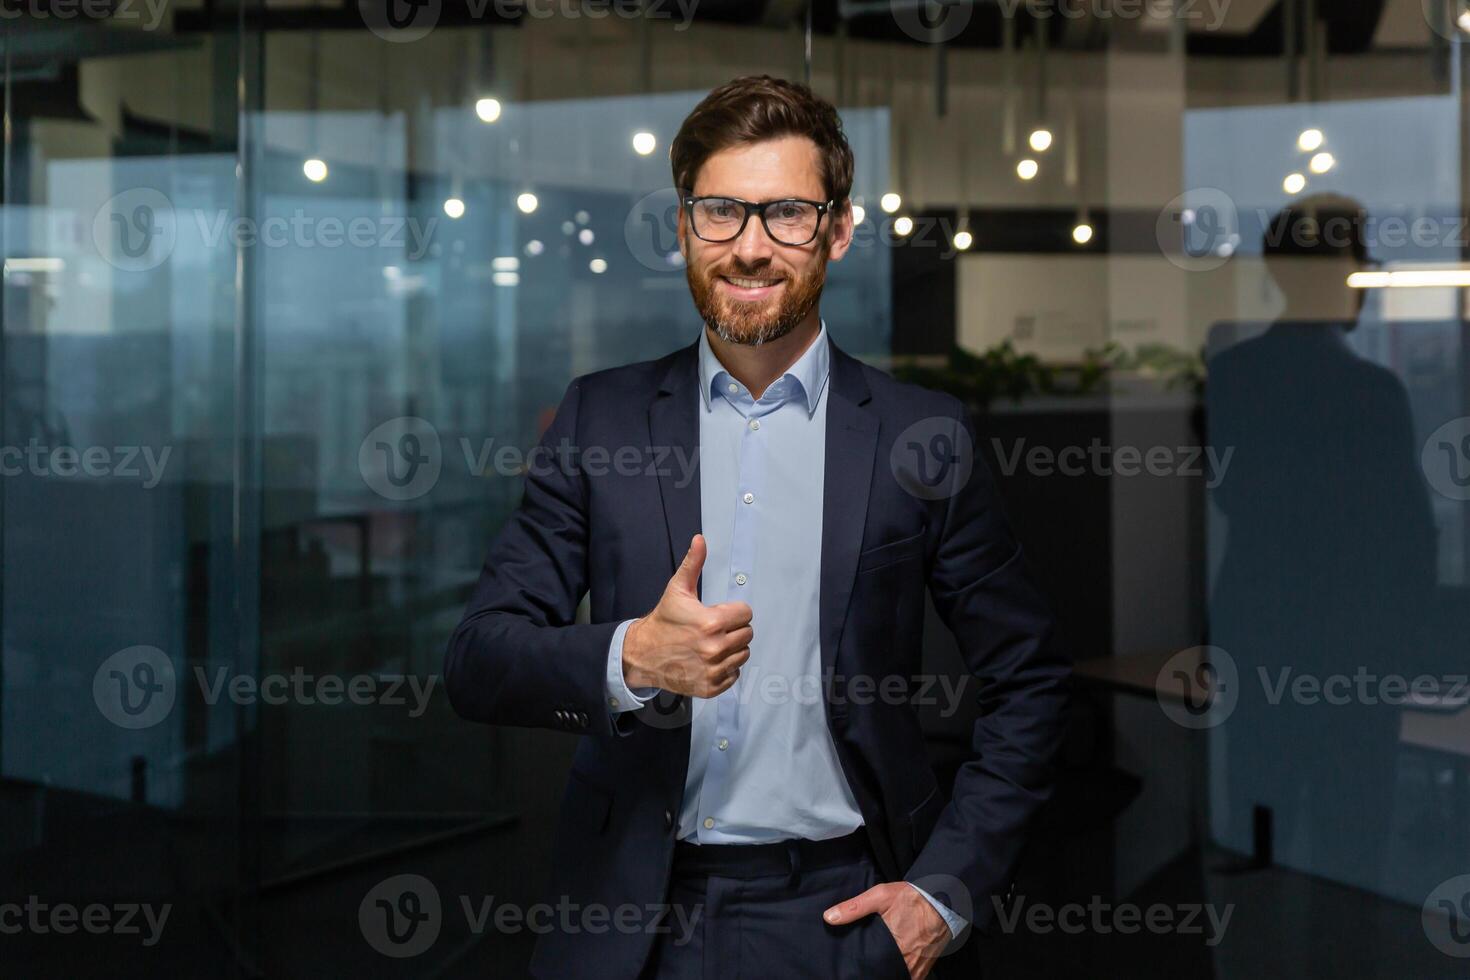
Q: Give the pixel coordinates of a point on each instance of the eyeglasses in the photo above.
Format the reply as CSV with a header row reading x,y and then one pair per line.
x,y
789,221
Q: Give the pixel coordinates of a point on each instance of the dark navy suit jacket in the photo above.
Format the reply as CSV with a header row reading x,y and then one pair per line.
x,y
590,524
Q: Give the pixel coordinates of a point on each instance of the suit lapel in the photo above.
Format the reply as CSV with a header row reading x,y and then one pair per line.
x,y
852,435
673,427
673,424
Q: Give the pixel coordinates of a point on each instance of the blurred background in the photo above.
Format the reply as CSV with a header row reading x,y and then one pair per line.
x,y
291,287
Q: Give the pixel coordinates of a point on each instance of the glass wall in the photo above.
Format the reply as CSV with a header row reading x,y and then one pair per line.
x,y
291,289
129,532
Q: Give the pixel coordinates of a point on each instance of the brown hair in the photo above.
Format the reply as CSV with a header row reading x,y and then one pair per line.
x,y
754,108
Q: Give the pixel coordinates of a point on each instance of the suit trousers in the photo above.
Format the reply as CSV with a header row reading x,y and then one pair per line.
x,y
769,926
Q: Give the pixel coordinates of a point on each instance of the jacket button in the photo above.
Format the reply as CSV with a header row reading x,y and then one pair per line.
x,y
561,716
668,819
582,719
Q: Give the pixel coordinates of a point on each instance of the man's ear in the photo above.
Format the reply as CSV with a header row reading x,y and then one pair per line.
x,y
840,238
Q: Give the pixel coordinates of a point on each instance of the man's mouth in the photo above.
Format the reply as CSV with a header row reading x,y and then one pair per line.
x,y
751,287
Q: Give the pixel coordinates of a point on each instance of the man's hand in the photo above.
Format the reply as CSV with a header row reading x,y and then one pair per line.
x,y
684,646
918,929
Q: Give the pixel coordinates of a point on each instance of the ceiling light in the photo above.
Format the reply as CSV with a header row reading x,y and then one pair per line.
x,y
488,110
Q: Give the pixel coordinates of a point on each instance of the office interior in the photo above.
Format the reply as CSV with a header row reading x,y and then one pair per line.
x,y
254,249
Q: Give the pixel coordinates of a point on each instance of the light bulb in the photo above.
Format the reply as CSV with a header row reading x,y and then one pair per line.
x,y
488,110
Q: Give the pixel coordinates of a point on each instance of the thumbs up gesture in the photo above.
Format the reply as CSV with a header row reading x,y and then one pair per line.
x,y
684,646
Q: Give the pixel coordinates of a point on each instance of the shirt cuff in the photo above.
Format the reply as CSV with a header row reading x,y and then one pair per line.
x,y
955,923
620,697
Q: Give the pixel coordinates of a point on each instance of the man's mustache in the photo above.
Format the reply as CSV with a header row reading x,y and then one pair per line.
x,y
758,272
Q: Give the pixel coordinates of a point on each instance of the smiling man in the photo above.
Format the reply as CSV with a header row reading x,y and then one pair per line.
x,y
750,763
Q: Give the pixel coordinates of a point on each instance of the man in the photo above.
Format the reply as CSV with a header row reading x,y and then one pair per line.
x,y
1329,555
750,755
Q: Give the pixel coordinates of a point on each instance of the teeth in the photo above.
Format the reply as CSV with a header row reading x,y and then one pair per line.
x,y
750,283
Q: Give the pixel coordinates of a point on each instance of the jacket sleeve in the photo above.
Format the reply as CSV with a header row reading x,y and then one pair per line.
x,y
1006,635
517,657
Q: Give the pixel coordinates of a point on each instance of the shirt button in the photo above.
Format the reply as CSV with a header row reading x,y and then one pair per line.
x,y
740,579
709,823
732,388
755,423
612,702
723,744
749,498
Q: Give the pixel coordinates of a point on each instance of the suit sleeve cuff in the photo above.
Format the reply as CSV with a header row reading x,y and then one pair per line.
x,y
620,697
955,923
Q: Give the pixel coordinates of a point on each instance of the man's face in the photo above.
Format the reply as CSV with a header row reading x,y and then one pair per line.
x,y
753,289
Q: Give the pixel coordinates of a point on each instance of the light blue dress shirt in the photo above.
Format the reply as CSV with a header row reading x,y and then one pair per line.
x,y
762,764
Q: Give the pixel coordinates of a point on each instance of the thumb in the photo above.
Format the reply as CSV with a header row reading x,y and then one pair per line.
x,y
860,907
686,576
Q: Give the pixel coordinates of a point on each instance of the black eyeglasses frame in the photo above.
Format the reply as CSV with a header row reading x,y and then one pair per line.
x,y
752,207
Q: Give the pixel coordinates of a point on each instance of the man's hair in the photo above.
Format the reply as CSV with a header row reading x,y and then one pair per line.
x,y
1321,226
755,108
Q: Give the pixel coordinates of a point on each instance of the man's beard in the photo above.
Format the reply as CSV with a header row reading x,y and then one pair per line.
x,y
754,322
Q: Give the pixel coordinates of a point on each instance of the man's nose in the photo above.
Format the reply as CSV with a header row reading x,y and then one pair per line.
x,y
754,246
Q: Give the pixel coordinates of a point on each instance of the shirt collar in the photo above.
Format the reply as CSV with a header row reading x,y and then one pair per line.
x,y
809,372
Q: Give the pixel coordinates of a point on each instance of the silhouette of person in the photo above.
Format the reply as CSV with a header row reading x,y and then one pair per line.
x,y
1329,561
